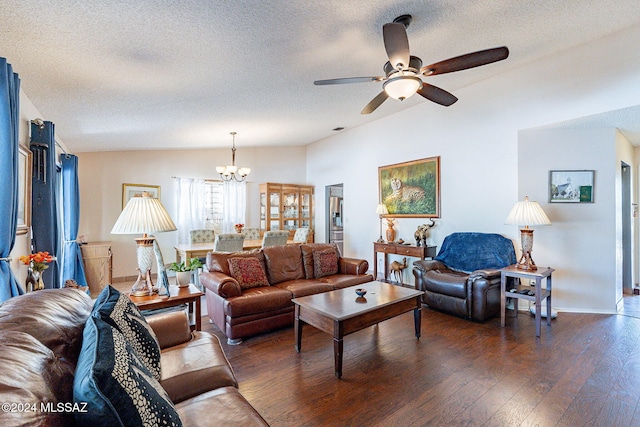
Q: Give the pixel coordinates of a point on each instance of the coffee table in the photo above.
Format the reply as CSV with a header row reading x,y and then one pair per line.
x,y
177,296
342,312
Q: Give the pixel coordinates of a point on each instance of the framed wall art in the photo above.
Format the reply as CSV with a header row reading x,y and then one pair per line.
x,y
24,190
129,190
411,189
571,186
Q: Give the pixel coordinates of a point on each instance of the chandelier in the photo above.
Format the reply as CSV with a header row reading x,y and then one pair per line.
x,y
228,173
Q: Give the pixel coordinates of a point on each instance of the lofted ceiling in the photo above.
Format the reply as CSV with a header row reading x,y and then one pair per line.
x,y
166,74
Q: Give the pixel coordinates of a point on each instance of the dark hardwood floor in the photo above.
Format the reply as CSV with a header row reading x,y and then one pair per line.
x,y
583,371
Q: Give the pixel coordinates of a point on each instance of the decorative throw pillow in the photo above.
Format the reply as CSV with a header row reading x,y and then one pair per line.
x,y
120,312
248,272
325,262
116,386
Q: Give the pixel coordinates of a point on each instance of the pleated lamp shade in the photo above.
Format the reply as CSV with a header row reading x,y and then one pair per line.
x,y
527,213
143,214
382,209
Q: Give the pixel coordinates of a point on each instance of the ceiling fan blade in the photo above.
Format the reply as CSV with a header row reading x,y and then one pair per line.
x,y
375,103
347,80
437,95
396,44
470,60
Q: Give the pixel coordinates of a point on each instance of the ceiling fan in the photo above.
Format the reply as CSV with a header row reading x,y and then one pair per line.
x,y
403,71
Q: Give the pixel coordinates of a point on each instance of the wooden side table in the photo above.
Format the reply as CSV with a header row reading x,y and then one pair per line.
x,y
177,296
540,294
421,252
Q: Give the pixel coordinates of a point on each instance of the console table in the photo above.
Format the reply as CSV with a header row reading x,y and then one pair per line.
x,y
421,252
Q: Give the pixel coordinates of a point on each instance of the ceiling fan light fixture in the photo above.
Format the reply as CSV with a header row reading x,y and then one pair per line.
x,y
402,87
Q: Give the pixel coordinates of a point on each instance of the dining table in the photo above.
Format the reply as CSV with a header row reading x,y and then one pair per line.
x,y
186,251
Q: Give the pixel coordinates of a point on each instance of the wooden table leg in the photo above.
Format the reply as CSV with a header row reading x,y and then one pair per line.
x,y
538,307
417,318
337,348
503,298
198,314
297,329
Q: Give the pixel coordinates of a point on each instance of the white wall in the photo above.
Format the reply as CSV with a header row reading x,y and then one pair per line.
x,y
477,139
102,174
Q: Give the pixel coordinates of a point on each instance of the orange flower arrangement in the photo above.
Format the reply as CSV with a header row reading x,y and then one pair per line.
x,y
38,261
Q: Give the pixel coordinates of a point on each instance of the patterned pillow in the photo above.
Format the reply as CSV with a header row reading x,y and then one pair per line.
x,y
248,272
116,386
120,312
325,262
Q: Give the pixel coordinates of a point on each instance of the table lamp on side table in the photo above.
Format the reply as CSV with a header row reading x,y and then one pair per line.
x,y
526,213
381,210
143,214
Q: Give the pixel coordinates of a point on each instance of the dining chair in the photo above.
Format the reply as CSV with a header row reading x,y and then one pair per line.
x,y
228,242
251,233
202,236
301,235
275,238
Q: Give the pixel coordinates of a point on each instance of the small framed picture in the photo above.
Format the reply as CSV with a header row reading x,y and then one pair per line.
x,y
130,190
571,186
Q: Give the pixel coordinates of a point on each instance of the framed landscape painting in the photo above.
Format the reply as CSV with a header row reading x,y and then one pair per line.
x,y
571,186
130,190
411,189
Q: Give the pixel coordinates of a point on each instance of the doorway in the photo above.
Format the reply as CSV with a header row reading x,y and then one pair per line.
x,y
334,216
627,216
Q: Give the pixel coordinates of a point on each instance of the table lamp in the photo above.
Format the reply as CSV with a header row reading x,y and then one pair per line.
x,y
525,214
381,210
143,214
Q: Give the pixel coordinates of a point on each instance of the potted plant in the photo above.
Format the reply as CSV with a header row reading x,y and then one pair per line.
x,y
183,270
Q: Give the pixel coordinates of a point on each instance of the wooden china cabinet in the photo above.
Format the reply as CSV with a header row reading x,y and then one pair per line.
x,y
286,207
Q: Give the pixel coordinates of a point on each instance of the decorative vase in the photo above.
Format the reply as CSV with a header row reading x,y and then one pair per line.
x,y
34,280
183,278
391,232
239,230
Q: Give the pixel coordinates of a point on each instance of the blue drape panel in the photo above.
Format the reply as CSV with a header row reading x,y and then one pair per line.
x,y
44,215
9,118
72,265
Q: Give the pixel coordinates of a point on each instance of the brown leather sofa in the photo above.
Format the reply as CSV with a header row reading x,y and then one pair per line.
x,y
291,271
41,335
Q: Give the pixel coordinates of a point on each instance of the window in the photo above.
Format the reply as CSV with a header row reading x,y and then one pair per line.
x,y
213,204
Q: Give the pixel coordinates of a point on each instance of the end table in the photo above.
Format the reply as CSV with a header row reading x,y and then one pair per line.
x,y
540,294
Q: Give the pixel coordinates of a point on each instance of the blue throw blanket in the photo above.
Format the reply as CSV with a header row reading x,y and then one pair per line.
x,y
468,252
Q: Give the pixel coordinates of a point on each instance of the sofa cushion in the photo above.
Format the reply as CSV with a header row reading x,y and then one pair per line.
x,y
261,299
120,312
219,261
307,256
30,374
248,272
118,388
340,281
304,287
224,406
283,263
325,262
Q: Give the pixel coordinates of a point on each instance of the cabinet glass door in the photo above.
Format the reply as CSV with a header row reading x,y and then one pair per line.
x,y
274,206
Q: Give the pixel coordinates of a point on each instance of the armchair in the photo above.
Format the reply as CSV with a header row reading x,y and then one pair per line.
x,y
464,278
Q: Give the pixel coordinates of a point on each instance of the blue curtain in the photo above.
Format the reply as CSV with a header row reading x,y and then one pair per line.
x,y
72,266
9,119
44,214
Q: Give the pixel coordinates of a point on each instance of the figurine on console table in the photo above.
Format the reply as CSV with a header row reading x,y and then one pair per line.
x,y
421,233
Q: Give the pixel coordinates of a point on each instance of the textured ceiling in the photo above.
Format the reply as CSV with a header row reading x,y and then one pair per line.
x,y
167,74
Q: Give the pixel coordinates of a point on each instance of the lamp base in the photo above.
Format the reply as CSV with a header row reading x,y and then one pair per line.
x,y
380,240
526,262
143,286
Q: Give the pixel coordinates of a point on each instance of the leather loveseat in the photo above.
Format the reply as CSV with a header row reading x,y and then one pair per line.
x,y
464,278
250,292
43,339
